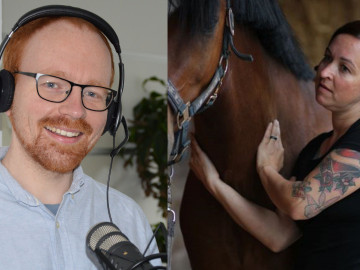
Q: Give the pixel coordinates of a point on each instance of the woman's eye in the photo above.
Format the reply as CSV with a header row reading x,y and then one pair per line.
x,y
344,68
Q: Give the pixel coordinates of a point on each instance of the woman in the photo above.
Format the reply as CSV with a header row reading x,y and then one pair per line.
x,y
325,200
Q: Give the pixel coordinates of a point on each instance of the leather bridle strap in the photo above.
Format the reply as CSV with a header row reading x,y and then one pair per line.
x,y
185,111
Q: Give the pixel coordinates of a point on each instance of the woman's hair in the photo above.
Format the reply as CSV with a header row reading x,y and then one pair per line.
x,y
14,49
351,28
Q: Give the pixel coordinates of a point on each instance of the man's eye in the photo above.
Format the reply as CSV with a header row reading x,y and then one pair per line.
x,y
90,94
51,85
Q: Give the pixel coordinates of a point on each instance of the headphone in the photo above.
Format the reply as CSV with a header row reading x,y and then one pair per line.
x,y
7,84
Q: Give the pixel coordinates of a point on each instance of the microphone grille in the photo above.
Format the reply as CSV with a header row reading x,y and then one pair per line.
x,y
101,230
111,240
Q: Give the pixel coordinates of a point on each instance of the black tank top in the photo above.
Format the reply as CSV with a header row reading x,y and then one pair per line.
x,y
331,240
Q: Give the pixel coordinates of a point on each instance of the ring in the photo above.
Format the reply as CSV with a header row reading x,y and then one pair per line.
x,y
273,137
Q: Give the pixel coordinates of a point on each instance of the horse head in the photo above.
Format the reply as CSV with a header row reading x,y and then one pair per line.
x,y
196,71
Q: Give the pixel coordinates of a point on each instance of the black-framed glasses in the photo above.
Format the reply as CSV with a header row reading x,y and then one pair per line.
x,y
57,90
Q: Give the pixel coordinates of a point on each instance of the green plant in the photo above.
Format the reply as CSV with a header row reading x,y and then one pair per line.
x,y
161,237
147,147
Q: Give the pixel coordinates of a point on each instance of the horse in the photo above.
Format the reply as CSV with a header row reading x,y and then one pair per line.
x,y
277,84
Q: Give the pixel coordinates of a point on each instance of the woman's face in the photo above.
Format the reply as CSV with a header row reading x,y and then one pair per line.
x,y
337,81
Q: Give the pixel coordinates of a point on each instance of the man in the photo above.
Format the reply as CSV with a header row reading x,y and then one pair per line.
x,y
47,203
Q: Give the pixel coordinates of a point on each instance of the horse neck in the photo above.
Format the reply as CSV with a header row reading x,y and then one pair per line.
x,y
247,92
192,60
252,94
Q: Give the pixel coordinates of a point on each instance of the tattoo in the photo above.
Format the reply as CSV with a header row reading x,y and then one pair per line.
x,y
348,153
336,175
315,207
333,176
300,188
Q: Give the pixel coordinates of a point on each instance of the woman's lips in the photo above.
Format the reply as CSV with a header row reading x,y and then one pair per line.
x,y
324,87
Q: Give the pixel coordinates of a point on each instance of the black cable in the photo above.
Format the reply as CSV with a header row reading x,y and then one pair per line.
x,y
113,153
149,258
108,183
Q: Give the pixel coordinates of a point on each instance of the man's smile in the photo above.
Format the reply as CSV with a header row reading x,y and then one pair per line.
x,y
63,132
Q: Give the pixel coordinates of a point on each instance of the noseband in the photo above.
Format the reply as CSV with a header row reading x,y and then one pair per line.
x,y
185,111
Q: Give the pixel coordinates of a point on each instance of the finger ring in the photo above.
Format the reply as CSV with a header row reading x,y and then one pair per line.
x,y
273,137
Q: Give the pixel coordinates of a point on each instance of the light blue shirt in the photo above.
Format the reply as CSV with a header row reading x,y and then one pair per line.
x,y
32,237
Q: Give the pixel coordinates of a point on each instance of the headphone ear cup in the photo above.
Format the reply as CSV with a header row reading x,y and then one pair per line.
x,y
7,88
113,115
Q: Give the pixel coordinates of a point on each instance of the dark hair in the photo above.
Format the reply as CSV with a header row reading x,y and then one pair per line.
x,y
351,28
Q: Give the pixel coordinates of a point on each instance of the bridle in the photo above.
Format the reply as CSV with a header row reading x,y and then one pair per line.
x,y
184,111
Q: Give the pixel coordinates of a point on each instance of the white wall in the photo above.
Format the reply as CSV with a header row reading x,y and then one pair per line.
x,y
142,29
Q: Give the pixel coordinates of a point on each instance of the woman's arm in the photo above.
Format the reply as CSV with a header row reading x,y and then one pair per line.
x,y
274,229
336,177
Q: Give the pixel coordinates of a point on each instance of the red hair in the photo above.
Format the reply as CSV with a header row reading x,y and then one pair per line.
x,y
13,51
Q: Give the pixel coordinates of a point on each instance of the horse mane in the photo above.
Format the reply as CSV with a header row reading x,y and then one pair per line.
x,y
265,17
199,17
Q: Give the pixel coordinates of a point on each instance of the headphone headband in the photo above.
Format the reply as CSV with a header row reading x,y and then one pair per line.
x,y
68,11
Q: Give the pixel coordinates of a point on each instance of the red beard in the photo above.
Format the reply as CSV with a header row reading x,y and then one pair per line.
x,y
54,156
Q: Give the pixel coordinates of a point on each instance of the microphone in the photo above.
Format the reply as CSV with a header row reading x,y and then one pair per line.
x,y
110,246
116,150
114,250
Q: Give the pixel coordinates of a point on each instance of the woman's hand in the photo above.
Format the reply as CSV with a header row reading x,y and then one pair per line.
x,y
202,166
270,151
272,228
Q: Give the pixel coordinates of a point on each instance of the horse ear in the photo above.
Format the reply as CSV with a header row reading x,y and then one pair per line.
x,y
316,67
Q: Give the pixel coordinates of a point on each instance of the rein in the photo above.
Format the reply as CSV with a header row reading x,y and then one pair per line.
x,y
184,111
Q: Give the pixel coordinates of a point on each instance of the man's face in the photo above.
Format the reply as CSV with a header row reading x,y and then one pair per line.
x,y
59,135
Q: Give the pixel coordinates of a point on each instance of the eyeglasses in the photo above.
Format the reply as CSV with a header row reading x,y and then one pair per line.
x,y
56,89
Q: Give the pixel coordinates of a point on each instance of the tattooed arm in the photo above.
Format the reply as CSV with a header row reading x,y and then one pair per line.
x,y
336,177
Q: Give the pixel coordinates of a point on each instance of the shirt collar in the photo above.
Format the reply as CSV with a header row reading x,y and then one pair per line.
x,y
78,180
26,197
